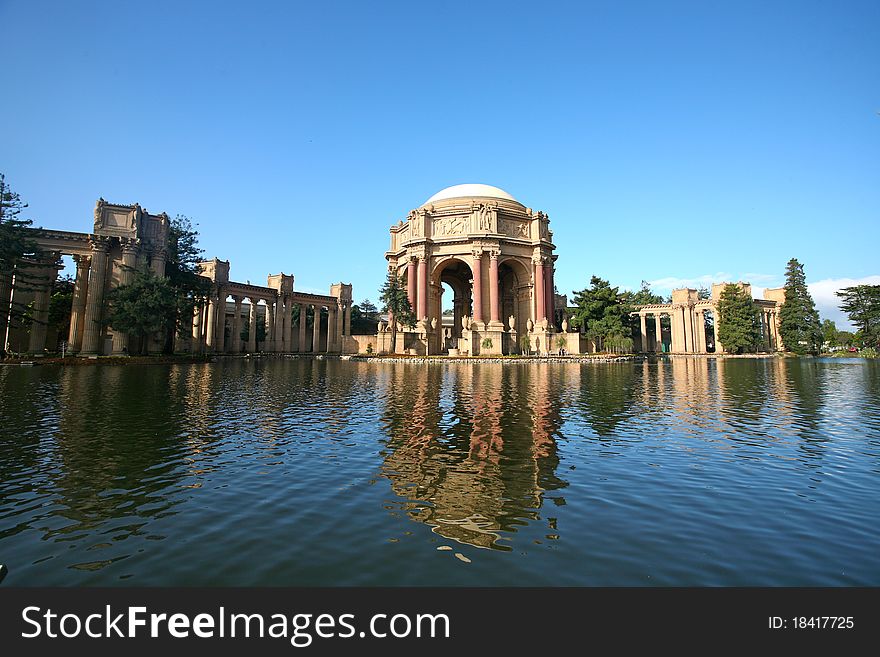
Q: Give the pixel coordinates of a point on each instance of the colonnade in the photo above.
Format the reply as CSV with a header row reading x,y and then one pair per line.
x,y
687,327
212,319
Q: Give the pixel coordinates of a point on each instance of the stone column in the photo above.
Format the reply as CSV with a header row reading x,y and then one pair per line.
x,y
252,327
285,326
777,339
301,346
157,263
46,277
423,288
92,329
411,282
540,290
316,331
347,318
477,288
494,312
126,270
331,329
643,327
78,309
279,325
197,328
688,313
220,339
658,333
765,327
675,329
700,328
548,294
269,320
210,323
340,326
236,326
719,348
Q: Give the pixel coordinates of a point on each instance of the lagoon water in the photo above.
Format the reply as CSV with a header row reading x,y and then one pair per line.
x,y
688,471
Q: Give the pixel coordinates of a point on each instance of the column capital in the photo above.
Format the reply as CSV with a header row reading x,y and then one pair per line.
x,y
99,243
130,244
477,252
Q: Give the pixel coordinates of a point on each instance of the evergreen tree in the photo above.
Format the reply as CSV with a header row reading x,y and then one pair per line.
x,y
829,333
739,328
143,307
16,267
182,271
862,304
396,303
604,312
800,329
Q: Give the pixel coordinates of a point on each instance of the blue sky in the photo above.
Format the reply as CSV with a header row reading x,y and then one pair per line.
x,y
673,142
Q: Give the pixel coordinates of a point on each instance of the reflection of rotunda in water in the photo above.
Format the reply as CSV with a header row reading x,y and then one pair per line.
x,y
471,449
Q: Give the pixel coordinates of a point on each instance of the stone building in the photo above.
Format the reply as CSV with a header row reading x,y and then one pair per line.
x,y
323,324
496,256
687,325
126,238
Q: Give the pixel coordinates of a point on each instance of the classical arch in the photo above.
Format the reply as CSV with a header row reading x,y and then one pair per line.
x,y
494,253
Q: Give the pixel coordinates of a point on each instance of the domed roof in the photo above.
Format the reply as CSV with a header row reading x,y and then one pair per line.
x,y
463,191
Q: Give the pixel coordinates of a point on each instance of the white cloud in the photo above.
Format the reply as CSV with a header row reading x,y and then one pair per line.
x,y
666,285
823,293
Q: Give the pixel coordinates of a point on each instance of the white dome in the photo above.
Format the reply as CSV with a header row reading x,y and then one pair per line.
x,y
459,191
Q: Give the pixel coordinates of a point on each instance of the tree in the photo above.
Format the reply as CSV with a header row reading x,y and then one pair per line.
x,y
182,271
862,304
604,312
143,306
829,333
703,293
364,318
60,305
643,297
799,328
739,328
396,303
16,245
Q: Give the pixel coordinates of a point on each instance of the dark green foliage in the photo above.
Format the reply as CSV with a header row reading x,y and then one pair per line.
x,y
17,263
604,312
181,268
142,307
799,328
364,318
396,303
829,333
60,305
739,328
862,304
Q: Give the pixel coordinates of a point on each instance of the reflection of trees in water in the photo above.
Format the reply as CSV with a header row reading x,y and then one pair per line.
x,y
471,447
606,395
805,384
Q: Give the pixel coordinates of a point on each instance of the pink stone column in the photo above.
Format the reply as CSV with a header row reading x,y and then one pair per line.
x,y
236,326
493,289
301,327
551,303
540,289
478,285
411,282
423,288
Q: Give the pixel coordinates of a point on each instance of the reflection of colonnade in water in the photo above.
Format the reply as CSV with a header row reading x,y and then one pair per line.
x,y
472,447
745,397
